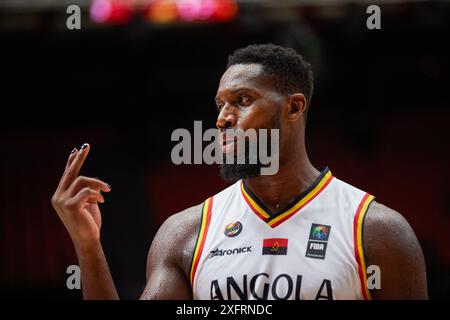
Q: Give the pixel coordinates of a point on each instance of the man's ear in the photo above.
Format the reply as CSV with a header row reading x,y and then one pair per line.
x,y
296,106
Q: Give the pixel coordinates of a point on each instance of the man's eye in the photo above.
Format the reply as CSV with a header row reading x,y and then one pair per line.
x,y
245,100
219,107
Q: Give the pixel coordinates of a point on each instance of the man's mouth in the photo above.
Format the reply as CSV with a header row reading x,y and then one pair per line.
x,y
227,143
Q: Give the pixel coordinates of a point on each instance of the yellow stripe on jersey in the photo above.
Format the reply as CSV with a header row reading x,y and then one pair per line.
x,y
260,211
307,198
274,221
206,219
359,251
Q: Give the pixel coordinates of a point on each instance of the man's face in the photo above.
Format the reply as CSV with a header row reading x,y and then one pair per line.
x,y
247,98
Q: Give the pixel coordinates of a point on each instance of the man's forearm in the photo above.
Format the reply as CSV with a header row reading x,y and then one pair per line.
x,y
96,279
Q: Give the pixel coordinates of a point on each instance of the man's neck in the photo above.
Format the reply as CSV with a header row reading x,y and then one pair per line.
x,y
278,191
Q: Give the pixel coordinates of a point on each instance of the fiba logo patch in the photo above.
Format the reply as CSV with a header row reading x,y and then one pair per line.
x,y
319,232
318,240
233,229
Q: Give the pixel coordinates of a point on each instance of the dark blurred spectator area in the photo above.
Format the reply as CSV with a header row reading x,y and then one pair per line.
x,y
379,119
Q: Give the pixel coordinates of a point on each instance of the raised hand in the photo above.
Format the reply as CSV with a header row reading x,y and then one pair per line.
x,y
76,200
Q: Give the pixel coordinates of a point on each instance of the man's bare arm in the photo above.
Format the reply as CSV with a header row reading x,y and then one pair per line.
x,y
96,279
390,243
170,256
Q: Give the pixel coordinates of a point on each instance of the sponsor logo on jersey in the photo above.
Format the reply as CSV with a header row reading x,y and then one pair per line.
x,y
233,229
318,240
228,252
275,246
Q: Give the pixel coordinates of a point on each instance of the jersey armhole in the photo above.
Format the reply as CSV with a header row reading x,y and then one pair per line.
x,y
358,225
201,238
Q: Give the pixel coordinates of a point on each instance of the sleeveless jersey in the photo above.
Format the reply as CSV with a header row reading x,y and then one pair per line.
x,y
310,250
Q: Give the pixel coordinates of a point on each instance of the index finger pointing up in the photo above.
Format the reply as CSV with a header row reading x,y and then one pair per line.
x,y
74,169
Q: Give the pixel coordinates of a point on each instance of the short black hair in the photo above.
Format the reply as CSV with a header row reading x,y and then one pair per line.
x,y
293,72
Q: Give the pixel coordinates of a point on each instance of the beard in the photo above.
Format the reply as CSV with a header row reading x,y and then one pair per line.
x,y
235,171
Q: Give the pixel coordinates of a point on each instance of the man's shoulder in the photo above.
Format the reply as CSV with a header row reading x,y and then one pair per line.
x,y
382,219
391,244
184,222
388,235
179,233
174,243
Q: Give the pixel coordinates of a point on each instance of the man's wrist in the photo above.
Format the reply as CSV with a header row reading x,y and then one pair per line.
x,y
87,247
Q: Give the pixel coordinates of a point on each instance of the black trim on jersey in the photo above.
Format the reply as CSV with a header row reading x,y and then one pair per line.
x,y
273,215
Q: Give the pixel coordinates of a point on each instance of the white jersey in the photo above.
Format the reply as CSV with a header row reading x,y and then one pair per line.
x,y
310,250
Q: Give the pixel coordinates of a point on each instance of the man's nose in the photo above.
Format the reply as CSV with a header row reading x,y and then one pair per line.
x,y
227,118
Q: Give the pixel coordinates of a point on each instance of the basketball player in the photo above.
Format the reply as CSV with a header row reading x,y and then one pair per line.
x,y
299,234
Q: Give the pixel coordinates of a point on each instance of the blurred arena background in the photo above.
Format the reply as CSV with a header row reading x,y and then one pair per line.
x,y
137,70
